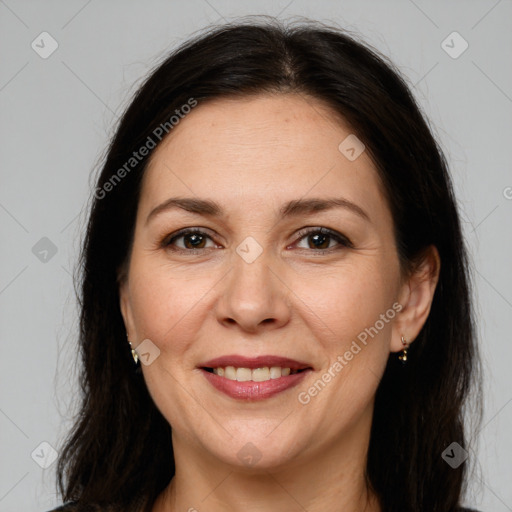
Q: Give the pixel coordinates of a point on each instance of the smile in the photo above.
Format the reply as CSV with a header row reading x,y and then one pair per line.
x,y
254,378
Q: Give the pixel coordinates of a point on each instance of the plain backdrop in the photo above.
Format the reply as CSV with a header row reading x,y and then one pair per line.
x,y
58,112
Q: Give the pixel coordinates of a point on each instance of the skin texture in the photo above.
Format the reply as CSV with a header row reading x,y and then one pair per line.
x,y
252,155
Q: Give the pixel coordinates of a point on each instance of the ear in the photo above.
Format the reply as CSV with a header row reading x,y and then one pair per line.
x,y
416,295
126,309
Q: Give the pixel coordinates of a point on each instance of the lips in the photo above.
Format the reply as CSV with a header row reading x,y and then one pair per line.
x,y
244,389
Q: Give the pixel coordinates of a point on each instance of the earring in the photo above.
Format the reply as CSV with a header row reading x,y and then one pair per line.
x,y
134,353
403,355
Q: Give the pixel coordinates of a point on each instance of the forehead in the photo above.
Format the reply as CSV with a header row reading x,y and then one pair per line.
x,y
260,149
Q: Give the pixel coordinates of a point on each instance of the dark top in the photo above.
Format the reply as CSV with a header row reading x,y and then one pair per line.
x,y
71,507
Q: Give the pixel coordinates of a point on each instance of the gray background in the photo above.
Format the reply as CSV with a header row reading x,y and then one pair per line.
x,y
58,113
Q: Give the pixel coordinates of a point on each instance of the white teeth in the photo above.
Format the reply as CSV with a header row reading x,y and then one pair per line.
x,y
243,374
275,372
230,372
260,374
256,375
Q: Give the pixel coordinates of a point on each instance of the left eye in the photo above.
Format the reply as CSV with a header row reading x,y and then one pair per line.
x,y
320,238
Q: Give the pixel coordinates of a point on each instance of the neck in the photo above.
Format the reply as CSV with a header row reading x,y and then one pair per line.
x,y
334,479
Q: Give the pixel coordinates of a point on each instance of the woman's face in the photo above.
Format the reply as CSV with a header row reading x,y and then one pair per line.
x,y
256,279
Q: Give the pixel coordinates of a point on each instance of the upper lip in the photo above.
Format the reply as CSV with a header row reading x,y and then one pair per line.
x,y
254,362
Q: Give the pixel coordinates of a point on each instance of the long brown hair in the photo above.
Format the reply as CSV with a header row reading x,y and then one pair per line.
x,y
119,452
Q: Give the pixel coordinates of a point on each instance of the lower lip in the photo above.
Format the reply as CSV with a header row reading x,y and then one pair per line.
x,y
250,390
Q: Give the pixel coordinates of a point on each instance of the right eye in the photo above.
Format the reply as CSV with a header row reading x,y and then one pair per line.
x,y
192,239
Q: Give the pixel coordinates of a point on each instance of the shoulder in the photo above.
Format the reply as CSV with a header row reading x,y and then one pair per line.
x,y
74,506
67,507
80,506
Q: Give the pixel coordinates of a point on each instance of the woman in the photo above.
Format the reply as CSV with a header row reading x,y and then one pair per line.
x,y
274,237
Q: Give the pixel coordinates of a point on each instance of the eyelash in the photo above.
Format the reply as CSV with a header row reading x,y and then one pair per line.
x,y
341,239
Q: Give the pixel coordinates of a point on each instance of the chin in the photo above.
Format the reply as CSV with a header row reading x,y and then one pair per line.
x,y
256,451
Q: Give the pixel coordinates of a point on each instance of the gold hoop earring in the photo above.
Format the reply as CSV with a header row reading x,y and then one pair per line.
x,y
403,354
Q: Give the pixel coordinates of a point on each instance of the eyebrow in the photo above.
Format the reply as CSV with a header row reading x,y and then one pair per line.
x,y
292,208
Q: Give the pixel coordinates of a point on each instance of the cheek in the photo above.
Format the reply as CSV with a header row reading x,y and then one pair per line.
x,y
167,304
349,300
356,311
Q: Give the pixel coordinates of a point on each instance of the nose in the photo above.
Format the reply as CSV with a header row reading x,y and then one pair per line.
x,y
254,296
